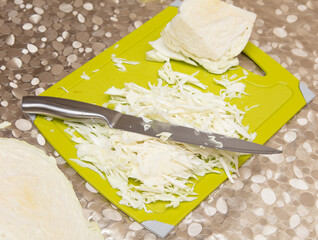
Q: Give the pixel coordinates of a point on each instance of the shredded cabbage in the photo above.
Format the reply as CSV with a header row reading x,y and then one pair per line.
x,y
85,76
4,124
119,62
164,136
233,89
147,169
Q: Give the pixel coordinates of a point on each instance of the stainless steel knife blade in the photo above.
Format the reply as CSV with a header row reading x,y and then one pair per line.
x,y
72,110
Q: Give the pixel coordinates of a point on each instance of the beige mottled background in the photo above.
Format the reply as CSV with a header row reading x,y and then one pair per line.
x,y
275,197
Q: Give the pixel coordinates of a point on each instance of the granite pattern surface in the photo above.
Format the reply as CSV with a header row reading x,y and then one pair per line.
x,y
274,197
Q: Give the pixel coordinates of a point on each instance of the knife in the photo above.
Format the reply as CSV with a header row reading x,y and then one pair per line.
x,y
72,110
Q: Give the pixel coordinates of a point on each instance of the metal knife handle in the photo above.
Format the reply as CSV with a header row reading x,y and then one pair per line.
x,y
66,109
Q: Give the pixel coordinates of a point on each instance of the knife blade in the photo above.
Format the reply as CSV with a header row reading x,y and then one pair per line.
x,y
72,110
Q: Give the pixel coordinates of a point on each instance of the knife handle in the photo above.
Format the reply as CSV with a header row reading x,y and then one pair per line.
x,y
64,109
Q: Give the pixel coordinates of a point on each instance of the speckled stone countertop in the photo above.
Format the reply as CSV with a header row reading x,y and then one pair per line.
x,y
275,197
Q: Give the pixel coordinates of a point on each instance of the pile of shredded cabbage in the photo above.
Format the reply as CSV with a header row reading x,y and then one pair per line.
x,y
146,169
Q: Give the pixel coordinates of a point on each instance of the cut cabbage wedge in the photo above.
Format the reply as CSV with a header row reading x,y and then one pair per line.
x,y
37,201
209,32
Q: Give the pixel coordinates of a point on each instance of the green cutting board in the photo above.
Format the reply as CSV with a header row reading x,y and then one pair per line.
x,y
277,94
